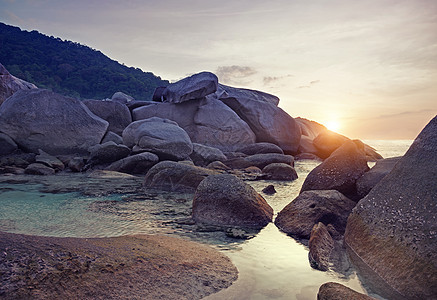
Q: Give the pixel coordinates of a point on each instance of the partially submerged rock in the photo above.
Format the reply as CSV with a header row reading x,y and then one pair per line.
x,y
391,235
228,201
176,177
311,207
49,160
40,119
337,291
135,164
340,171
107,153
279,171
320,247
259,160
126,267
39,169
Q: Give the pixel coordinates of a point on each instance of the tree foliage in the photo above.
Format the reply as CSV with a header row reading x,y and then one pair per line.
x,y
70,68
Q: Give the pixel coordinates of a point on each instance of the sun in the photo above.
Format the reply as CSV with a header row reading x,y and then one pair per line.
x,y
333,125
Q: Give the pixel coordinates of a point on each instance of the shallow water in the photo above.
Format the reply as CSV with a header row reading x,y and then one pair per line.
x,y
271,265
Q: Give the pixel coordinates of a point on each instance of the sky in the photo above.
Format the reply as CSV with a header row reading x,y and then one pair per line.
x,y
369,67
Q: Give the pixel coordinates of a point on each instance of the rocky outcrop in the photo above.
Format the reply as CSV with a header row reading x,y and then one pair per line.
x,y
135,164
369,179
337,291
340,171
160,136
260,148
391,235
117,114
203,155
269,123
196,86
224,92
309,208
121,98
327,142
207,121
7,145
309,128
176,177
40,119
10,84
259,160
226,200
320,247
279,171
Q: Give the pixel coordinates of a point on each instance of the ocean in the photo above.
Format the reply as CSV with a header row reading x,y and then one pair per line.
x,y
271,265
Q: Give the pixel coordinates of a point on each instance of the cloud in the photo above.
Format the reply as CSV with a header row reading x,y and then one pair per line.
x,y
267,80
235,74
312,83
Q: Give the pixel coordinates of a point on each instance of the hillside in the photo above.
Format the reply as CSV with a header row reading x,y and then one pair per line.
x,y
70,68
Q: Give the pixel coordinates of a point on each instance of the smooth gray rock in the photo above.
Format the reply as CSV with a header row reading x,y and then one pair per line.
x,y
39,169
176,177
371,178
337,291
207,121
311,207
107,153
279,171
49,160
194,87
259,160
135,164
122,98
10,84
340,171
393,230
117,114
40,119
269,123
225,91
204,155
160,136
260,148
112,137
226,200
7,145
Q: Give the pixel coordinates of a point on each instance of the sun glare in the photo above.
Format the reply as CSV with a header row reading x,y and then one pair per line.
x,y
333,125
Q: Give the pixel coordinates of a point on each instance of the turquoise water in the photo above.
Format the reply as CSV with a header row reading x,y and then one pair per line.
x,y
271,265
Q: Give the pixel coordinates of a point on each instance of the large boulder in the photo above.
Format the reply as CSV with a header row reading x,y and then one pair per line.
x,y
207,121
160,136
371,178
194,87
7,145
107,153
392,232
225,91
327,142
203,155
260,148
337,291
122,98
117,114
50,161
309,208
227,200
135,164
176,177
259,160
269,123
309,128
40,119
10,84
279,171
340,171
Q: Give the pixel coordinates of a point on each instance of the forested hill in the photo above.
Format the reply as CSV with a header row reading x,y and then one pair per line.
x,y
70,68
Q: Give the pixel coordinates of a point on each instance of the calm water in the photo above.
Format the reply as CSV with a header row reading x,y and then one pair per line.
x,y
271,264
